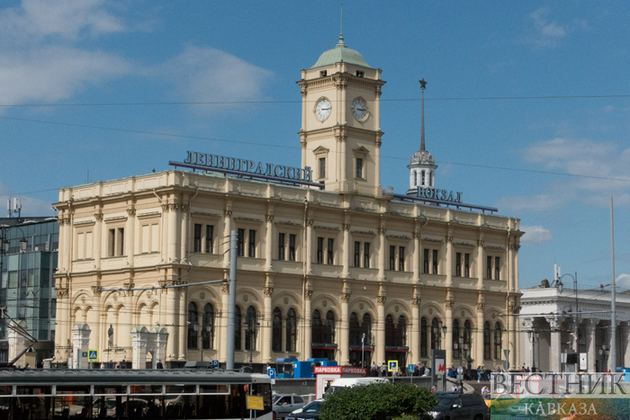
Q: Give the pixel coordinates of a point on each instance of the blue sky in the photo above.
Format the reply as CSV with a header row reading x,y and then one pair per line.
x,y
106,87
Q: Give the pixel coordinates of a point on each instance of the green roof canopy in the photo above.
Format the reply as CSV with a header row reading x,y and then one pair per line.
x,y
341,53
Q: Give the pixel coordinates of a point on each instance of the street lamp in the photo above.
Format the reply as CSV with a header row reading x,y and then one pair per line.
x,y
439,330
603,353
252,330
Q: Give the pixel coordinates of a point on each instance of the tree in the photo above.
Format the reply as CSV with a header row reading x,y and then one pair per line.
x,y
378,401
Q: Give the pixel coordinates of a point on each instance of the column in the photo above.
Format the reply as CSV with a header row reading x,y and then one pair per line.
x,y
98,238
380,329
416,255
16,341
343,338
448,321
381,251
414,351
164,229
347,250
130,235
528,330
173,216
227,231
309,247
184,232
223,322
182,327
479,359
591,357
513,310
449,266
96,342
480,262
556,347
268,242
139,343
171,323
626,343
307,325
267,325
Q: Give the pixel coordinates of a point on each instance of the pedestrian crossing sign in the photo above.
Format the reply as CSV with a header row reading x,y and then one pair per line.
x,y
93,355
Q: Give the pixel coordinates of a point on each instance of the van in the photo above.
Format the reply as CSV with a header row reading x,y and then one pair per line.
x,y
346,382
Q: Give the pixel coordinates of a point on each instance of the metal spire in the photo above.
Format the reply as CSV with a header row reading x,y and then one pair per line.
x,y
423,86
341,31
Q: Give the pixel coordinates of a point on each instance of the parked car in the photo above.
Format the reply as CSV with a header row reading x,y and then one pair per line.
x,y
499,402
284,404
456,406
310,411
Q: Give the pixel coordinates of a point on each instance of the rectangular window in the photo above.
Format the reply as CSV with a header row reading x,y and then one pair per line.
x,y
458,264
357,254
252,244
240,243
146,239
121,241
209,239
330,252
111,243
320,250
466,265
197,238
366,255
359,168
281,246
435,261
401,258
392,257
322,168
497,268
488,267
426,261
291,247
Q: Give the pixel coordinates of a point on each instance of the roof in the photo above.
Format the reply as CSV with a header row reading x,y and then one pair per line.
x,y
341,53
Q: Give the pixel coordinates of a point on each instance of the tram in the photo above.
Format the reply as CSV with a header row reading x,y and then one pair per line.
x,y
133,394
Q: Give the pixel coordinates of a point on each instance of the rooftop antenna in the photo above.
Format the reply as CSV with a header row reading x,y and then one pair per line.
x,y
341,30
423,86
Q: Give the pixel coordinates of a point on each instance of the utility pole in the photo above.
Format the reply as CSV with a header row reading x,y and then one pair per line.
x,y
231,330
613,324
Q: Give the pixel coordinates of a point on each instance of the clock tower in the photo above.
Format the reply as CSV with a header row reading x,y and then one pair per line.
x,y
341,131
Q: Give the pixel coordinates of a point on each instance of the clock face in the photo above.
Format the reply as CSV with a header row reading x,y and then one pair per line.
x,y
322,110
359,109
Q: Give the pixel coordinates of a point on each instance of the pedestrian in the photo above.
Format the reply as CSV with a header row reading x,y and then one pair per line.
x,y
102,365
454,388
384,369
374,369
159,364
479,372
433,389
484,390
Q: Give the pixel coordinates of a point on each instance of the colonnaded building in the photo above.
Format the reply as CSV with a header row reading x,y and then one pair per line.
x,y
330,263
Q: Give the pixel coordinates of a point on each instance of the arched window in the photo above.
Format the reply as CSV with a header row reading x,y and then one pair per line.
x,y
330,327
401,332
291,330
456,349
390,331
467,338
498,340
317,334
423,337
192,325
237,328
415,178
422,179
276,334
366,327
436,334
250,329
207,333
355,330
486,341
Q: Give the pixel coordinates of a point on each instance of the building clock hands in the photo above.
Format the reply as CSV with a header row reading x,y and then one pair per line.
x,y
322,110
359,109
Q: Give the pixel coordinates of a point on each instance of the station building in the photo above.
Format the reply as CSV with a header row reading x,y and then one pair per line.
x,y
330,263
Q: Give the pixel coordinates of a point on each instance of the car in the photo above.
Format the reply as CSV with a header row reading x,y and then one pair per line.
x,y
284,404
310,411
499,402
455,406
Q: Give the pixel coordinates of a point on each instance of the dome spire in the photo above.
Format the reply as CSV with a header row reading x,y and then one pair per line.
x,y
423,86
341,43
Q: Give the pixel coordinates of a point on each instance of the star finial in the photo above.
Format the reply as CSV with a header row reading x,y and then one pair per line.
x,y
423,84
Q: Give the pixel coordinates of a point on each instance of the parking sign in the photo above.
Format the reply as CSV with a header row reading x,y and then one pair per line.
x,y
392,365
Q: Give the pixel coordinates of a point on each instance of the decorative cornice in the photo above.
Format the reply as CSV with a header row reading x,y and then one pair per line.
x,y
381,300
97,290
308,294
382,230
268,291
310,222
98,217
269,218
131,212
346,227
448,305
345,297
481,307
62,292
228,213
415,302
164,207
449,239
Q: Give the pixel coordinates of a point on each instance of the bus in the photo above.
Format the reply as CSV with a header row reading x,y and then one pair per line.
x,y
122,394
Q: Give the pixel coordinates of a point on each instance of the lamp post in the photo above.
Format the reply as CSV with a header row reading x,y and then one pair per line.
x,y
603,356
205,336
252,330
532,336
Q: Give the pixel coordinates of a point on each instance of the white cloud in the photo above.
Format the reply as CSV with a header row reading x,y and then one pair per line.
x,y
535,234
66,19
211,75
54,73
600,171
547,33
623,280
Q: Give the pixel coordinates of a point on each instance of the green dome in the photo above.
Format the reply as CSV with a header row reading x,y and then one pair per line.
x,y
341,53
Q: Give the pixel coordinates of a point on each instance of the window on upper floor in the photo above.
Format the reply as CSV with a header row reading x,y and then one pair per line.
x,y
116,242
360,73
359,168
203,238
325,250
281,246
435,261
397,258
322,168
246,239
